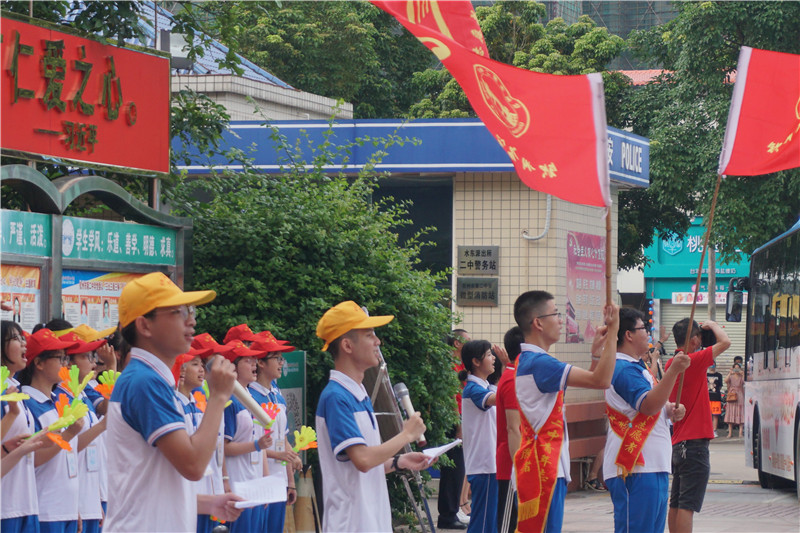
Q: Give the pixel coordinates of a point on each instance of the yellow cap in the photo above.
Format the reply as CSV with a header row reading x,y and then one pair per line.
x,y
152,291
87,333
344,317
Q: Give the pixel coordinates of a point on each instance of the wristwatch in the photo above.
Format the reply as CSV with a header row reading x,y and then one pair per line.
x,y
395,466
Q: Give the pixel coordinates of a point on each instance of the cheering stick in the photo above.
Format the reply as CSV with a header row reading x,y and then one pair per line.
x,y
71,380
697,283
107,380
244,397
304,439
14,396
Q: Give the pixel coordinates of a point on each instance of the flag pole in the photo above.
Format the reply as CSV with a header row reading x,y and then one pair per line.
x,y
697,283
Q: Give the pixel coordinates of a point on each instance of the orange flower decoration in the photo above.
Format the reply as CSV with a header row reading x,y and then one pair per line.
x,y
55,437
200,400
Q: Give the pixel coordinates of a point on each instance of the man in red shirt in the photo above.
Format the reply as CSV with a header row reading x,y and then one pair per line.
x,y
691,435
508,433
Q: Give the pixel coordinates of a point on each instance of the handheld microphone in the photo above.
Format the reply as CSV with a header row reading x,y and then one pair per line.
x,y
401,392
247,400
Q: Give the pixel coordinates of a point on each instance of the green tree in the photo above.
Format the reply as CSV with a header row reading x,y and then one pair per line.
x,y
344,50
282,249
685,111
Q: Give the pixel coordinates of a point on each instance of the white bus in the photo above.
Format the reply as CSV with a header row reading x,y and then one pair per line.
x,y
772,358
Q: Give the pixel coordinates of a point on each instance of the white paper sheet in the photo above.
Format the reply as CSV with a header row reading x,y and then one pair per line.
x,y
259,491
433,453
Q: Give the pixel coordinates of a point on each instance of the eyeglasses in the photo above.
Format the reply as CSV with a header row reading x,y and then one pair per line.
x,y
63,359
185,311
550,314
640,327
280,358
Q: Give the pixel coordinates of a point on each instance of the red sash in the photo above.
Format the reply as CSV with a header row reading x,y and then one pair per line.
x,y
536,465
633,433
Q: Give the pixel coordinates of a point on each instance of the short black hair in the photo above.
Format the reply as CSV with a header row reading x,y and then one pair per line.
x,y
512,340
333,346
627,321
528,306
472,350
681,328
738,358
57,324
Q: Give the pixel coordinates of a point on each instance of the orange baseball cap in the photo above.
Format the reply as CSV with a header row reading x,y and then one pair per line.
x,y
236,349
45,340
242,332
344,317
185,358
81,346
152,291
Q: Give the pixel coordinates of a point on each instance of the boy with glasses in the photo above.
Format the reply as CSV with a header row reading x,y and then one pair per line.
x,y
542,461
638,451
155,460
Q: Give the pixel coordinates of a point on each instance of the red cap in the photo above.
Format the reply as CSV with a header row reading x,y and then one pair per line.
x,y
206,341
242,332
82,346
269,336
236,349
269,346
185,358
44,341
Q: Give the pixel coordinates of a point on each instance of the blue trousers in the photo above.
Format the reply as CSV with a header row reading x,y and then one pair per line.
x,y
640,502
61,526
250,520
483,518
555,515
276,515
20,524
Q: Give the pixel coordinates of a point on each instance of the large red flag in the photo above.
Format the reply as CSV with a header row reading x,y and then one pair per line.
x,y
763,132
552,127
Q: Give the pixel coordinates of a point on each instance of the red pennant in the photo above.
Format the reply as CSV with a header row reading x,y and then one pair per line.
x,y
553,128
763,132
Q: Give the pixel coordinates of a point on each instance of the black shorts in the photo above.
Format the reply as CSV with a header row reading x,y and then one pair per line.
x,y
691,469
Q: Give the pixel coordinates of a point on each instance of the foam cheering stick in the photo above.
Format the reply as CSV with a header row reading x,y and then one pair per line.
x,y
14,396
304,439
71,381
107,380
68,414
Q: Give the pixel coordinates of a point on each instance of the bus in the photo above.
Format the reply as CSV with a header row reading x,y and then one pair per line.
x,y
772,358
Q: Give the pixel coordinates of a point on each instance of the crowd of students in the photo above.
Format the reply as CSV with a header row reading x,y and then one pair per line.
x,y
51,487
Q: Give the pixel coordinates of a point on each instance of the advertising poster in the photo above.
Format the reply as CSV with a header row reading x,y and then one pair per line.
x,y
586,286
90,297
21,287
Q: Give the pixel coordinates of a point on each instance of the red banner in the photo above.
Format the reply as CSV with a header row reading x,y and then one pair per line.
x,y
76,99
763,132
552,127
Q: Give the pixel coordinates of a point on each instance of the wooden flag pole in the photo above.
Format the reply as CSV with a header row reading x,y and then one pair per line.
x,y
608,256
689,329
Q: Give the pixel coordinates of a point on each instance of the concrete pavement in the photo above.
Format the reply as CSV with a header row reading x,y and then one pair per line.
x,y
734,501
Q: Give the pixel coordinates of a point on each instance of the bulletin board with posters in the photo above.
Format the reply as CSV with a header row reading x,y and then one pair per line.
x,y
89,297
586,286
22,288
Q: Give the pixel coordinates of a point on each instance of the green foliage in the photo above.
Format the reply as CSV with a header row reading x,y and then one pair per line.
x,y
684,113
282,249
344,50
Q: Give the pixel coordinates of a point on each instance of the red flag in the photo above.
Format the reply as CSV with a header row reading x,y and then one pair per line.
x,y
763,132
552,127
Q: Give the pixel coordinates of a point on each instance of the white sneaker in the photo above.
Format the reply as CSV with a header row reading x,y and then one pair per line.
x,y
463,518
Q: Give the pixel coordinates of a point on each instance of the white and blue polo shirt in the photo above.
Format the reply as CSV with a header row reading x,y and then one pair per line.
x,y
18,489
239,427
57,479
629,387
280,428
353,500
96,398
145,492
479,427
540,377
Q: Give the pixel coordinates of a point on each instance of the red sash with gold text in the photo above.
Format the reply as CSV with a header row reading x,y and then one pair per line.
x,y
536,465
633,433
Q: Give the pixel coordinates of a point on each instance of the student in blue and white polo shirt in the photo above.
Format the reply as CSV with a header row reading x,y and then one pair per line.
x,y
155,461
540,378
281,459
56,469
244,439
352,458
640,496
20,506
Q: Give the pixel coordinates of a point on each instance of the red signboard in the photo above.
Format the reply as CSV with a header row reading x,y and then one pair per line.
x,y
76,99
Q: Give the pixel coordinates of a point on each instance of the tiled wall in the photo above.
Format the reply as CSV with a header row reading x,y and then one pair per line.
x,y
277,103
494,209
